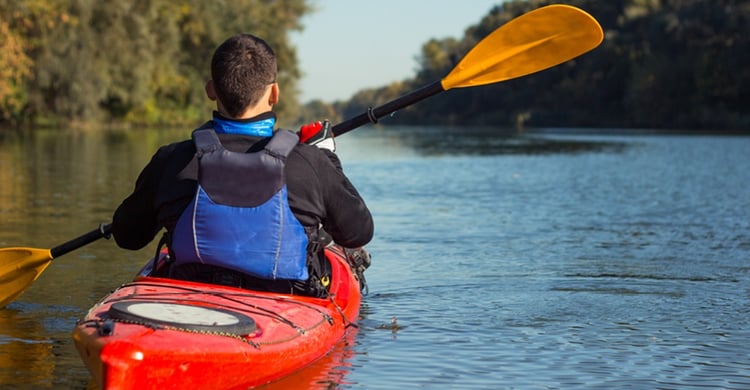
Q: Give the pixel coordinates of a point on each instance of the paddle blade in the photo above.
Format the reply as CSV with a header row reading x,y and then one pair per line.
x,y
19,268
532,42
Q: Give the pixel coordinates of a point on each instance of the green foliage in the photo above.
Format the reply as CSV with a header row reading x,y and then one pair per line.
x,y
135,61
14,68
20,26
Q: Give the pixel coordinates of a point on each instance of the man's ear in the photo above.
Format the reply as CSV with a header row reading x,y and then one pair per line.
x,y
210,91
273,97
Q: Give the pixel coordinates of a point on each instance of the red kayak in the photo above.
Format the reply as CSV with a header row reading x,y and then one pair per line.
x,y
172,334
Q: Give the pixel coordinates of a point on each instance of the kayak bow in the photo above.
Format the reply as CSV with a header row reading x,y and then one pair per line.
x,y
165,333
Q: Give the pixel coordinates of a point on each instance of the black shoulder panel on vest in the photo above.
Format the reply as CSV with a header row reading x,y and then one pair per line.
x,y
242,179
282,143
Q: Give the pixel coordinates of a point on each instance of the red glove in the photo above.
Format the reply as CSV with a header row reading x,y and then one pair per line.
x,y
318,134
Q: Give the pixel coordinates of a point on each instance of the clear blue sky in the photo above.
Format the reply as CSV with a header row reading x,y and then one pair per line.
x,y
348,45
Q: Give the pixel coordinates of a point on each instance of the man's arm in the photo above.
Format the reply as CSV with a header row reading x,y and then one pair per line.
x,y
134,223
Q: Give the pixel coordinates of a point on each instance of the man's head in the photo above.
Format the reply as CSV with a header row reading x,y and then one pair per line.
x,y
243,72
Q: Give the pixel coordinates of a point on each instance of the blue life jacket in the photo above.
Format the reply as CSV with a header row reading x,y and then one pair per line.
x,y
240,217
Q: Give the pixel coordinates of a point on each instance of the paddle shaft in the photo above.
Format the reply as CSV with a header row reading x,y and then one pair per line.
x,y
373,114
102,231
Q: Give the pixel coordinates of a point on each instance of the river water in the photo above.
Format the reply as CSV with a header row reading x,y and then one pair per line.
x,y
544,259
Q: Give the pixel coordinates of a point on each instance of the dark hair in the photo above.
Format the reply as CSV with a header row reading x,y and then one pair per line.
x,y
241,69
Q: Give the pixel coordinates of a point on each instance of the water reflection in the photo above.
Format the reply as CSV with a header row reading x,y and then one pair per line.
x,y
487,141
327,373
26,356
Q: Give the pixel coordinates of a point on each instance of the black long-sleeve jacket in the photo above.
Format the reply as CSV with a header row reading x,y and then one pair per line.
x,y
320,195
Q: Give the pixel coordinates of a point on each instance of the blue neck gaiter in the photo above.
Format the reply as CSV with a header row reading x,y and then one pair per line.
x,y
260,126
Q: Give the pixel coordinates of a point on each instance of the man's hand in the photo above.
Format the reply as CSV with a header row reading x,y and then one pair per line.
x,y
318,134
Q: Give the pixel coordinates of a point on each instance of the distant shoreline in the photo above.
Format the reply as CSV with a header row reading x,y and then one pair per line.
x,y
634,131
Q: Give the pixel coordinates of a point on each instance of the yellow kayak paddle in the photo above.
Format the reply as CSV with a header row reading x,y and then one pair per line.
x,y
534,41
19,267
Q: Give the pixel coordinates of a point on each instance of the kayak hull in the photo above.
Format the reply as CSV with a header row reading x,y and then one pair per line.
x,y
165,333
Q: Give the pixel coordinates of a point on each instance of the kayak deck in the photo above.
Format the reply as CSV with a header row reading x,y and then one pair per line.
x,y
165,333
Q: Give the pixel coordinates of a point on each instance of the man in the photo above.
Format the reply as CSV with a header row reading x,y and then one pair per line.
x,y
258,176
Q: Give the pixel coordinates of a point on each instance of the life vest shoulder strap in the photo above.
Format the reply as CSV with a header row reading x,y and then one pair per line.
x,y
282,143
206,141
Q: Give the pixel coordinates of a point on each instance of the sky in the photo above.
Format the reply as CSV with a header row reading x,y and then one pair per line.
x,y
349,45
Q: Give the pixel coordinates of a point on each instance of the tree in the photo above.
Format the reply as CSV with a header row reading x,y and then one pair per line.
x,y
14,69
134,61
21,26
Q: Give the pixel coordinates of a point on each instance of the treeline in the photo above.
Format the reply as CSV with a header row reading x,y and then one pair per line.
x,y
678,64
673,64
142,62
